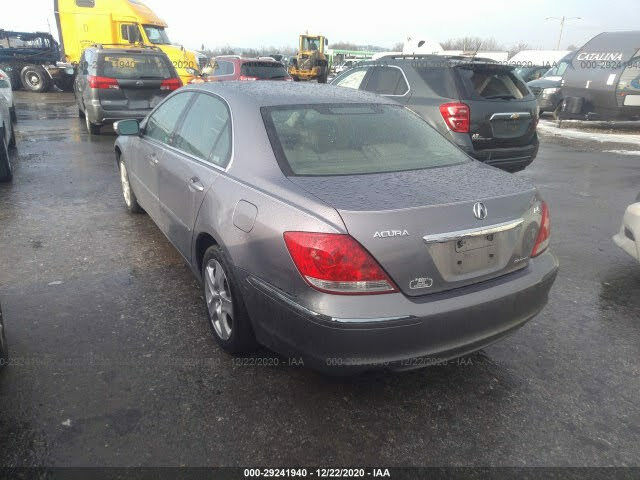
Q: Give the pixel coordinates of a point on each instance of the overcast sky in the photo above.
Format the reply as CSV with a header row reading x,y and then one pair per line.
x,y
263,23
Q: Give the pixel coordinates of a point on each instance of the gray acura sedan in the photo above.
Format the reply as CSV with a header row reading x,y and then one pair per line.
x,y
336,226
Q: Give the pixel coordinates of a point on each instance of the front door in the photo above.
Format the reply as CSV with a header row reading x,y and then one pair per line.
x,y
199,152
157,131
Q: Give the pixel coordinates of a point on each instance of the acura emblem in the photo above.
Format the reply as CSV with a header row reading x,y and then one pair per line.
x,y
480,211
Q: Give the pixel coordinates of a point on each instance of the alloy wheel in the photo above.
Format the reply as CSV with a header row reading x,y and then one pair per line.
x,y
219,300
126,188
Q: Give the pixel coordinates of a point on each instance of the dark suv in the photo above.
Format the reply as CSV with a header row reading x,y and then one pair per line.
x,y
233,67
480,105
114,83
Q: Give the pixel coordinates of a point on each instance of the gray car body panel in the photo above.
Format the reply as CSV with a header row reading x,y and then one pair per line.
x,y
427,201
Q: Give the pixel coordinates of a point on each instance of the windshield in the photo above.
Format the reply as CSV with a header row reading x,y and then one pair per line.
x,y
558,70
355,139
311,44
157,35
132,65
264,70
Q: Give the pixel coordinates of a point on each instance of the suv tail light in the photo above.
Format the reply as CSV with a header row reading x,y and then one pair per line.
x,y
457,116
336,263
245,78
542,241
102,82
170,84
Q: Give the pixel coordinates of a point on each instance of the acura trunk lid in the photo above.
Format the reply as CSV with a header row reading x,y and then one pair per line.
x,y
422,225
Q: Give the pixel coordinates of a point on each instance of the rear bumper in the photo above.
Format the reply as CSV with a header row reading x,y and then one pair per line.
x,y
511,159
98,115
428,331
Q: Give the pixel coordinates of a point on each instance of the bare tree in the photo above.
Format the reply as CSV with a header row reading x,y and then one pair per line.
x,y
471,44
397,47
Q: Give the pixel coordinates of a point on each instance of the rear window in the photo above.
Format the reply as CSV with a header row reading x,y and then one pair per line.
x,y
263,70
133,65
355,139
492,84
439,80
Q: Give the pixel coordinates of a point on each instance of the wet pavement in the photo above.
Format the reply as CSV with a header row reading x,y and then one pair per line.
x,y
113,363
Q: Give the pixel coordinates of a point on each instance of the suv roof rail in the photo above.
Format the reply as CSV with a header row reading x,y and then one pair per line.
x,y
228,56
125,46
434,56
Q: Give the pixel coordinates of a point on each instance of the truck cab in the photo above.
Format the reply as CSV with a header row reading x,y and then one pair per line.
x,y
83,23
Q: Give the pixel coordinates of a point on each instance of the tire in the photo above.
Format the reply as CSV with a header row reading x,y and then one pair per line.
x,y
12,112
12,141
323,76
92,128
227,314
4,351
6,172
80,113
130,199
34,78
65,83
556,112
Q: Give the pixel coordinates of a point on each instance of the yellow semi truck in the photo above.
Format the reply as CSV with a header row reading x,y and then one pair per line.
x,y
82,23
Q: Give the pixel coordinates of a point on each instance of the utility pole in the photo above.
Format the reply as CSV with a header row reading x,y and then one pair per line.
x,y
562,20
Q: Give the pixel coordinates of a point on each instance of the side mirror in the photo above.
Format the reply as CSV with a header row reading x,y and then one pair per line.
x,y
127,127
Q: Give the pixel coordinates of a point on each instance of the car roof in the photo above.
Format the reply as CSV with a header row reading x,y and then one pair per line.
x,y
426,60
262,94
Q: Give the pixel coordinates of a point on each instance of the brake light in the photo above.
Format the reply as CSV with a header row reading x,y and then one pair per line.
x,y
245,78
336,263
457,116
170,84
542,241
102,82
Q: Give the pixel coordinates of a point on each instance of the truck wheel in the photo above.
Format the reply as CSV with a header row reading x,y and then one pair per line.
x,y
12,112
6,173
65,83
35,79
323,76
92,128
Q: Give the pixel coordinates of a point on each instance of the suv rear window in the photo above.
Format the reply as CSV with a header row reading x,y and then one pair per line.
x,y
263,70
492,84
133,65
352,139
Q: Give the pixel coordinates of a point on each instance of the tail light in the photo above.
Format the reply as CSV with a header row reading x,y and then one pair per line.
x,y
102,82
170,84
457,116
336,263
542,241
245,78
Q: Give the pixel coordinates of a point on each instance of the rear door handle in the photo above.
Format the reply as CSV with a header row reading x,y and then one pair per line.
x,y
194,184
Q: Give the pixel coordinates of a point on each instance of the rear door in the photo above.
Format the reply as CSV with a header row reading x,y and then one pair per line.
x,y
139,77
503,110
201,149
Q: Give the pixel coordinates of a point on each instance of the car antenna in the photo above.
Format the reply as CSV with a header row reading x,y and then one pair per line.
x,y
476,52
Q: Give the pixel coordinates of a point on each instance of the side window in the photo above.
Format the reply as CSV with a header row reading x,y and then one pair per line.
x,y
387,81
206,131
223,67
130,32
86,3
162,122
352,79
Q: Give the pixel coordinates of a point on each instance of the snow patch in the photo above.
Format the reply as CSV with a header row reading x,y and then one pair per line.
x,y
549,128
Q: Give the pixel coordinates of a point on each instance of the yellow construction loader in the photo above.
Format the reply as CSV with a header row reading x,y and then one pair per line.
x,y
310,63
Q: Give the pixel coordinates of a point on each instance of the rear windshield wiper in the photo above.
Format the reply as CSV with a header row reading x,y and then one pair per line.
x,y
502,97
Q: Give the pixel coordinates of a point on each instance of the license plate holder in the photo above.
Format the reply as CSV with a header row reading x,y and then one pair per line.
x,y
473,254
